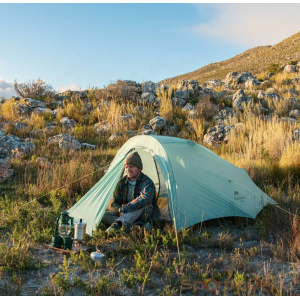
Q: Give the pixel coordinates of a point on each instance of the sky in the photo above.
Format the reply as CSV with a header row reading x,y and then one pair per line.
x,y
77,46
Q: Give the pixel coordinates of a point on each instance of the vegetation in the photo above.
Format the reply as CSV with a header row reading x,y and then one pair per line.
x,y
35,89
234,256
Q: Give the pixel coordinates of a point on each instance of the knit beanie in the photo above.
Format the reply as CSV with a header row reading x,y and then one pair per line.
x,y
134,159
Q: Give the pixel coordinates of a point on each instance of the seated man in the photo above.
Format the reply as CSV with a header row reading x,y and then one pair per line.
x,y
133,196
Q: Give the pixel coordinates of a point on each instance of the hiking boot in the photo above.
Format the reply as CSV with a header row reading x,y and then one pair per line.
x,y
113,228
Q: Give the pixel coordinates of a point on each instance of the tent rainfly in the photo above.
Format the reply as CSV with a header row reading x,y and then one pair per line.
x,y
193,184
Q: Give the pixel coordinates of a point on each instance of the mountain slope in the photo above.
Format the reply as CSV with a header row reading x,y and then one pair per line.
x,y
255,60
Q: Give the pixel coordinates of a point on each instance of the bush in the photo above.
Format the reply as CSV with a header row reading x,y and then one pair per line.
x,y
35,89
274,68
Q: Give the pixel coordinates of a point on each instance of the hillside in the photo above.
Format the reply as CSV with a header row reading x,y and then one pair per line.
x,y
255,60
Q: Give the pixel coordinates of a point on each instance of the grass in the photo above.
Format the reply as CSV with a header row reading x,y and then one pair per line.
x,y
200,260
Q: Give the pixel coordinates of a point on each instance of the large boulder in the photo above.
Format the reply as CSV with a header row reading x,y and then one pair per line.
x,y
183,94
11,142
64,141
33,103
157,124
252,83
149,99
212,83
236,78
219,134
178,102
150,87
240,99
225,115
191,88
269,94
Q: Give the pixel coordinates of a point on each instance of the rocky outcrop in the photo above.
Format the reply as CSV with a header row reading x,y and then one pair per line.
x,y
240,99
225,115
237,78
11,143
219,134
64,141
158,124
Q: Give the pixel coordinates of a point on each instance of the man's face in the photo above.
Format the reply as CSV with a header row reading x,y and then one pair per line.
x,y
132,171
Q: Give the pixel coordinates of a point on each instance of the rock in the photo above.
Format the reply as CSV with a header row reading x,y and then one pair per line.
x,y
236,78
127,117
166,131
5,169
148,132
252,83
296,135
149,99
68,123
139,109
225,114
287,120
292,92
103,104
102,127
18,153
43,111
217,135
183,94
87,108
22,109
188,85
212,83
149,87
80,95
290,69
11,142
157,124
65,141
56,104
87,146
20,125
131,133
294,113
268,95
33,103
56,111
178,102
293,100
115,136
296,80
43,162
240,99
188,107
269,75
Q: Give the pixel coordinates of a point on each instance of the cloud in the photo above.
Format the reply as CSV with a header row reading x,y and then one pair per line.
x,y
6,89
72,87
250,24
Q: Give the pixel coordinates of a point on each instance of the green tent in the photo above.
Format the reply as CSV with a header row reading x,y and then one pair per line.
x,y
193,184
